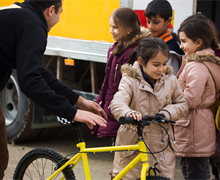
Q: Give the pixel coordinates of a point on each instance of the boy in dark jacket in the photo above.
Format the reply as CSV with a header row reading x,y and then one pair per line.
x,y
23,40
159,15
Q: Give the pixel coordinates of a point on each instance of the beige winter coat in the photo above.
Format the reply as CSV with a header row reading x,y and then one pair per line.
x,y
195,133
135,94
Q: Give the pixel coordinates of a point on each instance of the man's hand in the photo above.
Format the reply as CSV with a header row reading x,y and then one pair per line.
x,y
95,116
91,106
89,118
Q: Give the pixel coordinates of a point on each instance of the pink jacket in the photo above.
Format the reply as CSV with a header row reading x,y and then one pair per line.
x,y
200,79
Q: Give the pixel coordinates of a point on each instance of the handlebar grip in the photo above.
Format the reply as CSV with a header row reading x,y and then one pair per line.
x,y
167,121
124,120
150,118
173,122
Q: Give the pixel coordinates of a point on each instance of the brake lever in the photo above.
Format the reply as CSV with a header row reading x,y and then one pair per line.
x,y
163,120
167,121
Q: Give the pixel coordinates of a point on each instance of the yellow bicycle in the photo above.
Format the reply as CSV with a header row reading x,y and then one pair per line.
x,y
43,163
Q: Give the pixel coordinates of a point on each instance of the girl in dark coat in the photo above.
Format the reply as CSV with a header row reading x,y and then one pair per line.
x,y
126,31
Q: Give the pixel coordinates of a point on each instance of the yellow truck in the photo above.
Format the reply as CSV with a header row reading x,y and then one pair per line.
x,y
76,54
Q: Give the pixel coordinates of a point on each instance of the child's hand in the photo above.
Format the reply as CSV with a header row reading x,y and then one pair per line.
x,y
136,115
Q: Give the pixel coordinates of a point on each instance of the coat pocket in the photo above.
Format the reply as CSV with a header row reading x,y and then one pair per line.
x,y
182,131
126,136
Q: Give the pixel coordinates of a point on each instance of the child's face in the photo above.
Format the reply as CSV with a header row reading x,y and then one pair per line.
x,y
155,66
116,32
158,26
187,45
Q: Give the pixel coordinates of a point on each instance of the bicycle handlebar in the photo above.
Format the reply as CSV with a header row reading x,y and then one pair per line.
x,y
146,120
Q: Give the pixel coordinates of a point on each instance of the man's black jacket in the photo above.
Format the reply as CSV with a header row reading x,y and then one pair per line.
x,y
23,40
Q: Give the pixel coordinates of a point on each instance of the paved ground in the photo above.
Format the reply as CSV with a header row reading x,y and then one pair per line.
x,y
100,164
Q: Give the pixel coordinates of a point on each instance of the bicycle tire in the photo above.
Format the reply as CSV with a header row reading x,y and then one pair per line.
x,y
40,163
156,178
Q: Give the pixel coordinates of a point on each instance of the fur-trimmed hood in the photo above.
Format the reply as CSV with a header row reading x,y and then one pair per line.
x,y
201,57
135,71
144,33
211,62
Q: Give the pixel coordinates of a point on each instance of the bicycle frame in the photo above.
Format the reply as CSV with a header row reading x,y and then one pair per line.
x,y
83,155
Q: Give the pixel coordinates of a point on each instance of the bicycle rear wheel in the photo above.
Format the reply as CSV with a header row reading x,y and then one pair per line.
x,y
156,178
41,163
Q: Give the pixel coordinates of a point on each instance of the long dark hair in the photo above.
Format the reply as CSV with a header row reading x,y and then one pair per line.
x,y
44,4
125,18
198,26
148,48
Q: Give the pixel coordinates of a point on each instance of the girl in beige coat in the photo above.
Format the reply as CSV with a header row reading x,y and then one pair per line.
x,y
148,88
200,80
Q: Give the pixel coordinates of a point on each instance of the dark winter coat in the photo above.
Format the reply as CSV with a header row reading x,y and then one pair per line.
x,y
110,85
23,40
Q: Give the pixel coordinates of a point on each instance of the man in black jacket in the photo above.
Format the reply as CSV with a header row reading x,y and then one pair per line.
x,y
23,38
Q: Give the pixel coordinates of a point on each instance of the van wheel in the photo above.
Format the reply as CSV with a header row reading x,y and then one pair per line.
x,y
18,111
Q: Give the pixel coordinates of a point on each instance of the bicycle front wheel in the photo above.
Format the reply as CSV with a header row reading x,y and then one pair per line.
x,y
41,163
156,178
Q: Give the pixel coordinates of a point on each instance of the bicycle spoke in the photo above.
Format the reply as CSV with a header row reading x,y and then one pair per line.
x,y
52,168
28,175
37,170
43,167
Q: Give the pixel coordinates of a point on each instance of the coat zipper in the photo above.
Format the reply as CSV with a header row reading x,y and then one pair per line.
x,y
110,113
116,67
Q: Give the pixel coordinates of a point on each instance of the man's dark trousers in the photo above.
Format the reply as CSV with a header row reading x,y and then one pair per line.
x,y
3,145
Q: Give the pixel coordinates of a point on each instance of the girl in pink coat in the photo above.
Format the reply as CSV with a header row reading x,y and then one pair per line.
x,y
200,80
